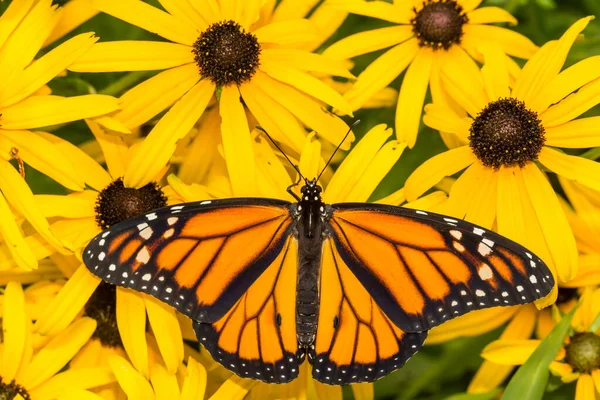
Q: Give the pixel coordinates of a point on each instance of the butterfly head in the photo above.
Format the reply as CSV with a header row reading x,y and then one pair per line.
x,y
311,191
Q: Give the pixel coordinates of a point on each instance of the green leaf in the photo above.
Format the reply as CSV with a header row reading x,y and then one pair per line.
x,y
596,324
477,396
218,91
529,382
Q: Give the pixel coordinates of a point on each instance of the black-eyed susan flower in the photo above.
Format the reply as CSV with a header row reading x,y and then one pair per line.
x,y
579,358
214,48
73,14
426,35
31,368
79,217
25,104
508,134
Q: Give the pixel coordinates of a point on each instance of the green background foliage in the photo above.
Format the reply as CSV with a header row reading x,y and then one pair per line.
x,y
436,372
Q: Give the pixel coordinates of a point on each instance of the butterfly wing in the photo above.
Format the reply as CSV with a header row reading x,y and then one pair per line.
x,y
356,341
198,257
423,269
257,337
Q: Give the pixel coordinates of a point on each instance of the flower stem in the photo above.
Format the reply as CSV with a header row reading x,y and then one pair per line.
x,y
126,81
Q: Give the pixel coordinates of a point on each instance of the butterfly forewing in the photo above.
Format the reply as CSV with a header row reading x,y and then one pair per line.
x,y
356,341
198,257
423,268
257,337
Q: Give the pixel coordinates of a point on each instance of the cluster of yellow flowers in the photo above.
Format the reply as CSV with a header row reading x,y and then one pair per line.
x,y
228,65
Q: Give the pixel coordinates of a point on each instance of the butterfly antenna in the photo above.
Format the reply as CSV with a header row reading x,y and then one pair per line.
x,y
338,147
260,128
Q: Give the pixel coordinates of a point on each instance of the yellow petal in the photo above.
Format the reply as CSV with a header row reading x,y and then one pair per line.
x,y
433,170
194,385
234,388
510,211
374,172
149,18
509,352
490,15
394,199
46,68
363,391
273,117
184,11
39,111
40,154
399,13
482,210
573,106
553,222
78,394
11,18
428,202
78,205
113,147
20,196
368,41
237,144
167,332
311,161
353,166
382,72
560,369
596,378
305,61
546,64
164,384
495,72
512,43
154,95
73,14
130,380
26,40
307,84
585,389
271,176
579,133
588,274
412,96
469,5
465,87
11,234
579,169
287,33
442,118
131,320
95,176
567,82
156,150
306,109
15,322
58,352
73,378
133,55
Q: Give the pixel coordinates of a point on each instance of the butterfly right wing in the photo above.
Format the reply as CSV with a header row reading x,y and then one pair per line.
x,y
356,341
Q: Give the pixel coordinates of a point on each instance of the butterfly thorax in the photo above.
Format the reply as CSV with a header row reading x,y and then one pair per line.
x,y
311,214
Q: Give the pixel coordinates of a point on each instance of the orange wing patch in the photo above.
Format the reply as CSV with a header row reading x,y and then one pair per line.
x,y
198,258
257,337
355,341
423,269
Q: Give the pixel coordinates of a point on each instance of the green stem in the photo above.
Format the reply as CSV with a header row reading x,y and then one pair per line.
x,y
592,154
126,81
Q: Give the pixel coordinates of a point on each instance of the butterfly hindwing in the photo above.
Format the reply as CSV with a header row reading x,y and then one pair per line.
x,y
423,268
356,341
198,257
257,337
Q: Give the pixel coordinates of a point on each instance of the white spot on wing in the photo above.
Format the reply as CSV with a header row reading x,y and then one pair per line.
x,y
456,234
151,216
520,288
101,256
143,256
532,279
488,242
172,220
480,293
146,277
458,246
141,226
146,233
478,231
105,234
484,249
168,233
112,267
485,272
421,212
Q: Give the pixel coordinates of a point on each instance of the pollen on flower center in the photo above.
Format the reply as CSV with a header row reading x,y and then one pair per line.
x,y
583,352
439,24
226,53
8,391
102,307
506,133
117,203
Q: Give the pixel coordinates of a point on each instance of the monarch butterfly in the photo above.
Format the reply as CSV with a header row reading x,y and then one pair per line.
x,y
352,287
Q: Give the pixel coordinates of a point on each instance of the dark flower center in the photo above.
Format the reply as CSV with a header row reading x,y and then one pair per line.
x,y
117,203
8,391
506,133
439,24
102,306
583,352
226,53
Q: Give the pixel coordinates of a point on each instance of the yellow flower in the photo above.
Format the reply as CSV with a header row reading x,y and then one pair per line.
x,y
73,14
215,48
578,360
77,218
25,104
31,365
427,35
508,133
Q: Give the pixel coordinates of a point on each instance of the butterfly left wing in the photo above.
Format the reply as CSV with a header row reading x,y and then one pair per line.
x,y
257,337
423,268
355,341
